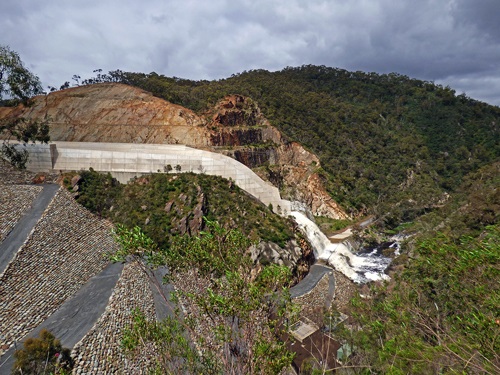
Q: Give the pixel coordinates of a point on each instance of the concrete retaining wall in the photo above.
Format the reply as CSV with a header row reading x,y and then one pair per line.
x,y
126,160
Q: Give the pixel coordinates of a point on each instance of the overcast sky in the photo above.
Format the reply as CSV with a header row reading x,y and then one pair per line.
x,y
450,42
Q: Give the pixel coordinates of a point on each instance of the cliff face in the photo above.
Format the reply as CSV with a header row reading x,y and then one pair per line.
x,y
112,112
301,181
238,123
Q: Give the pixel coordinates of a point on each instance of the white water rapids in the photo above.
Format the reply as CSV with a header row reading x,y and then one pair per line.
x,y
359,268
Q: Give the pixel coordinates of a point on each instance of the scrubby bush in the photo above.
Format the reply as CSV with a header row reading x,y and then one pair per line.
x,y
42,355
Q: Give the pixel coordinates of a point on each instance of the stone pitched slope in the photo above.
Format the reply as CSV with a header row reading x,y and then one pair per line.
x,y
100,351
15,200
64,250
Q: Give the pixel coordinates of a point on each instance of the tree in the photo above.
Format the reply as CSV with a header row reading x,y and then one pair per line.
x,y
100,191
247,312
18,85
25,131
43,354
167,168
16,81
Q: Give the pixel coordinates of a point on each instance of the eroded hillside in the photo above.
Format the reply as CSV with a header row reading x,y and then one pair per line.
x,y
112,112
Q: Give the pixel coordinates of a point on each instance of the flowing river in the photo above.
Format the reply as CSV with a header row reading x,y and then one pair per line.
x,y
360,268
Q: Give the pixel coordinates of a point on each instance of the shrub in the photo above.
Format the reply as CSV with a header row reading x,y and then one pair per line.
x,y
44,354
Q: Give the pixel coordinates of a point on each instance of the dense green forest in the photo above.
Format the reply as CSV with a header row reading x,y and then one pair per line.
x,y
388,144
408,151
166,206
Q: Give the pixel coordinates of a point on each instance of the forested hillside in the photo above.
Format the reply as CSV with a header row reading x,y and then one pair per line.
x,y
407,151
440,313
166,206
414,154
388,144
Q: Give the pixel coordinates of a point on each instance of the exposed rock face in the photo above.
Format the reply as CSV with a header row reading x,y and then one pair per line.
x,y
297,255
268,252
298,170
290,167
190,222
319,200
112,112
237,121
196,222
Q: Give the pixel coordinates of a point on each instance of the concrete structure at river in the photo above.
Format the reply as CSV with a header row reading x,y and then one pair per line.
x,y
126,160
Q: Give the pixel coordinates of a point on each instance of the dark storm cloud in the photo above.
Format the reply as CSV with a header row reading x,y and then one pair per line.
x,y
482,15
452,42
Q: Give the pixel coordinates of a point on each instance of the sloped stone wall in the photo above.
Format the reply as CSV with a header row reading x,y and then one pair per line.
x,y
99,352
64,250
15,200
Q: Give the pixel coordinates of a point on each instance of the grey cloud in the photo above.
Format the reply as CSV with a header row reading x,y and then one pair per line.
x,y
455,41
481,15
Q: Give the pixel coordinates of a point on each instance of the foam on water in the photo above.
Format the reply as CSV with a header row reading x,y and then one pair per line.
x,y
359,268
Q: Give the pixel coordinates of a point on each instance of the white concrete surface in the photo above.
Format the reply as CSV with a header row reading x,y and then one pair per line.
x,y
126,160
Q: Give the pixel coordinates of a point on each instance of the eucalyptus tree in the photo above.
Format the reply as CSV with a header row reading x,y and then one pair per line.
x,y
17,86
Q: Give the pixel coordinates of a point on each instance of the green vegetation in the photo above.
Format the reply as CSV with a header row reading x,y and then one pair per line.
x,y
388,144
98,191
329,226
42,355
18,85
243,314
441,315
417,156
166,206
475,205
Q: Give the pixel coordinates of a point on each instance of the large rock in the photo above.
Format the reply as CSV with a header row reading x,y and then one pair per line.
x,y
298,257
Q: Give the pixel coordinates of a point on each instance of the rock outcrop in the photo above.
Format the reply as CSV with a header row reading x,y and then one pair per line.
x,y
297,255
112,112
302,182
